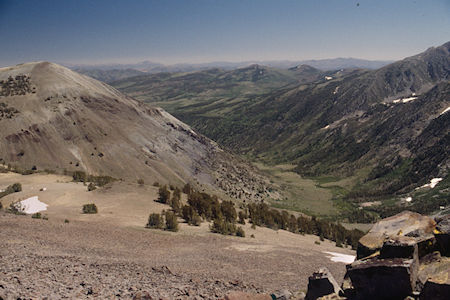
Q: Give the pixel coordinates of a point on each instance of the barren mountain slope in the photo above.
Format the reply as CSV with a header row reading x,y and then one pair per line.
x,y
54,118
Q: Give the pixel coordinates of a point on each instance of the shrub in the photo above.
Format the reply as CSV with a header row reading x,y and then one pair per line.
x,y
79,176
36,215
155,183
171,221
155,221
90,209
187,189
317,242
163,195
240,232
228,211
223,227
66,221
45,218
241,215
91,187
191,216
175,203
1,205
140,181
252,236
207,206
16,208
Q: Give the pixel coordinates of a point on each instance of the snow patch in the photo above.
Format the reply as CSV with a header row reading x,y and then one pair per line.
x,y
326,127
31,205
445,110
336,90
409,199
328,77
404,100
432,184
339,257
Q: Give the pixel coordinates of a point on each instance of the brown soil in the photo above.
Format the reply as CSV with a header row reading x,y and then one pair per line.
x,y
112,255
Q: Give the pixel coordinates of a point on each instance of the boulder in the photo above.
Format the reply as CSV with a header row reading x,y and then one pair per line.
x,y
404,223
433,266
442,234
436,288
236,295
320,284
377,278
400,247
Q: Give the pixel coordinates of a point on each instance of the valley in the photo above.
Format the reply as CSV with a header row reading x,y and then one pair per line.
x,y
384,132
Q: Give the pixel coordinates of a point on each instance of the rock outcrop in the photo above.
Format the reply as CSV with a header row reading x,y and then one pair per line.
x,y
443,234
377,278
404,224
398,258
321,283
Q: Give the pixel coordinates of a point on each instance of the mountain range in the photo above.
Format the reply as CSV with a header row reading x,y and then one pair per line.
x,y
111,72
388,127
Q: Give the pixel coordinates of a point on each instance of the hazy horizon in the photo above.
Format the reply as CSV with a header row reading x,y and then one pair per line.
x,y
193,32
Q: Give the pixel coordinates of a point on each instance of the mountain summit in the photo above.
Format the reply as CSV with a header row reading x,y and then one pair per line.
x,y
56,119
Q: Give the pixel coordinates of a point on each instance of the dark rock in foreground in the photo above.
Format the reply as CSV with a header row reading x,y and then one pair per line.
x,y
320,284
443,235
393,278
401,257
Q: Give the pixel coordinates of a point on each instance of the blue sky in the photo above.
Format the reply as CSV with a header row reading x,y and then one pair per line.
x,y
170,31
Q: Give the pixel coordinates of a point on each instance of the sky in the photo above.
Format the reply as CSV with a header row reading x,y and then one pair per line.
x,y
188,31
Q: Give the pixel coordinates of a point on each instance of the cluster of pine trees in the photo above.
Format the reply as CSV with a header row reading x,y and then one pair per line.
x,y
261,214
224,217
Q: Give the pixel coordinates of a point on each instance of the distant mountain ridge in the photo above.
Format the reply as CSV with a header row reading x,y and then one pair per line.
x,y
152,67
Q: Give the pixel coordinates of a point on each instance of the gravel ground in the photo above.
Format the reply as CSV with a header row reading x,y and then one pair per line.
x,y
52,259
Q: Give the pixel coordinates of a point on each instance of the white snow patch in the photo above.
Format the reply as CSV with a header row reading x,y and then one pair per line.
x,y
445,110
409,199
326,127
328,77
432,184
339,257
31,205
336,90
404,100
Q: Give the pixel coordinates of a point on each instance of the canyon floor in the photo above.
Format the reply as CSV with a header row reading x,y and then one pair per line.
x,y
111,254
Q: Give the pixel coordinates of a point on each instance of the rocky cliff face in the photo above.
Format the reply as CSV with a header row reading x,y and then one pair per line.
x,y
56,119
403,256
